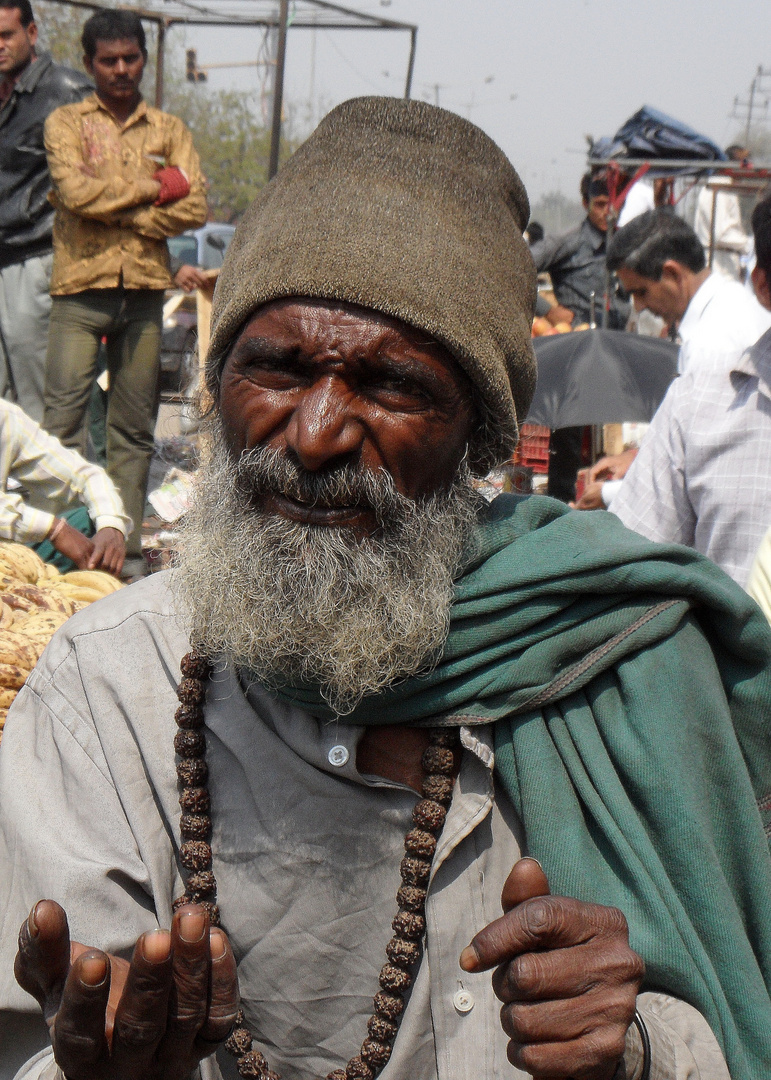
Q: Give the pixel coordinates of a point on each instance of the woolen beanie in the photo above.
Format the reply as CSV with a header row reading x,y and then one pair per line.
x,y
412,211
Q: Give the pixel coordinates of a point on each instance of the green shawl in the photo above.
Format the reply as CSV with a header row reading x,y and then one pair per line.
x,y
630,683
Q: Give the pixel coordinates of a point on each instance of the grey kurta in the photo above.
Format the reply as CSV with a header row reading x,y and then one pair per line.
x,y
306,855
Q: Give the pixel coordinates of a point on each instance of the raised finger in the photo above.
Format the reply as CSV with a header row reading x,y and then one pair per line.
x,y
189,997
78,1031
43,960
546,922
140,1019
566,973
526,880
223,998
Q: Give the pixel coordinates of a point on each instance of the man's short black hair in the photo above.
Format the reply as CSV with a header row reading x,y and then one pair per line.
x,y
648,241
112,25
24,8
761,229
534,232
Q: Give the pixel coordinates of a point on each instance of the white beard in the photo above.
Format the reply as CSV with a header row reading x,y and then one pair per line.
x,y
293,602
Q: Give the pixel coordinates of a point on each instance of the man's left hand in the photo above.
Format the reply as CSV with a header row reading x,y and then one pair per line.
x,y
109,551
591,498
190,277
566,975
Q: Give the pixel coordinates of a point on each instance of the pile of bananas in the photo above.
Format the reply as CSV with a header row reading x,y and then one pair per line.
x,y
35,599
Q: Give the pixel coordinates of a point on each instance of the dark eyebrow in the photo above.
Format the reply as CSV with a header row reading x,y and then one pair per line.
x,y
256,348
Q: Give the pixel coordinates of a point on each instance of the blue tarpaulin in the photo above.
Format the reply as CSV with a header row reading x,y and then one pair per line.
x,y
651,135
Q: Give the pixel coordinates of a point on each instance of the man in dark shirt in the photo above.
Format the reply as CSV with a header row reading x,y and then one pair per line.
x,y
31,86
576,264
576,260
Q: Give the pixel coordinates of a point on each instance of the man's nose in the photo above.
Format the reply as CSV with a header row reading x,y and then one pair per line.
x,y
323,426
120,67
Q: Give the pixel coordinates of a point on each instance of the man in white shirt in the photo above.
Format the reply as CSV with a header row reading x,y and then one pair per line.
x,y
703,474
48,482
660,261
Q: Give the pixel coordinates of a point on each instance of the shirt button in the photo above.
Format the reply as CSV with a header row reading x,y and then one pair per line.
x,y
463,1001
338,756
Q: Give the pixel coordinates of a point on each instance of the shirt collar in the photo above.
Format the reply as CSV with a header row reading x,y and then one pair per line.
x,y
699,301
93,104
755,362
594,235
32,74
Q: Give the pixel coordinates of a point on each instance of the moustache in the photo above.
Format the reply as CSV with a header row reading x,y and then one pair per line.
x,y
264,471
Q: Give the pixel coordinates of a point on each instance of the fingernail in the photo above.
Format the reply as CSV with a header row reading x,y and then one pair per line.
x,y
217,944
93,970
31,923
469,958
192,926
529,858
156,945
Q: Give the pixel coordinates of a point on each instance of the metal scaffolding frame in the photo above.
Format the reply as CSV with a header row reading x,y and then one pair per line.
x,y
305,15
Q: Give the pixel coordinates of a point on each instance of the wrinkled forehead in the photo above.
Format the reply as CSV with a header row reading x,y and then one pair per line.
x,y
311,325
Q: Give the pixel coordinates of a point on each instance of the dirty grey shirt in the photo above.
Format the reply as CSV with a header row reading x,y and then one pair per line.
x,y
306,854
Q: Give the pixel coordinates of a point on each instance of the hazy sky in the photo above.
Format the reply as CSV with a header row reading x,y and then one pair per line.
x,y
537,76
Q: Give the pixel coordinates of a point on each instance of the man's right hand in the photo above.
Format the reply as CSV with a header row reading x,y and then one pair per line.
x,y
560,314
613,467
73,544
152,1019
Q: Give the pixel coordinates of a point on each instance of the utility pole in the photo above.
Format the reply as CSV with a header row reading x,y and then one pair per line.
x,y
278,88
745,110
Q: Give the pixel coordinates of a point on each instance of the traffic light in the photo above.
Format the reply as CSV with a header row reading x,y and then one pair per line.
x,y
192,74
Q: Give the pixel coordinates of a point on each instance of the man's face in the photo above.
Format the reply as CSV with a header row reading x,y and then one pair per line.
x,y
597,212
17,42
667,298
331,385
116,69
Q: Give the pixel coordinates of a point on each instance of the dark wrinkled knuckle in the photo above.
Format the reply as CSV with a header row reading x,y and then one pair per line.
x,y
529,1057
518,1023
607,1044
218,1027
635,967
137,1034
615,921
539,915
73,1050
526,974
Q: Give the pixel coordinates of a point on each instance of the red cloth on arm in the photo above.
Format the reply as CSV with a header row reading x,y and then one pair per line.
x,y
174,184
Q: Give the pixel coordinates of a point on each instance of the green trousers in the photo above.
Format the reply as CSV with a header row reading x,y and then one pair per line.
x,y
130,320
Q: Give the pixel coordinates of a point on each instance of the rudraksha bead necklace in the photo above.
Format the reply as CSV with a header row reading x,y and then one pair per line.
x,y
403,950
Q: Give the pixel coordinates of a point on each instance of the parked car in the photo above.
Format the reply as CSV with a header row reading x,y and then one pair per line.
x,y
205,248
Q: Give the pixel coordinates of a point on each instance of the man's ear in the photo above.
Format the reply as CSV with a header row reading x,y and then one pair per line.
x,y
762,286
673,271
88,65
32,34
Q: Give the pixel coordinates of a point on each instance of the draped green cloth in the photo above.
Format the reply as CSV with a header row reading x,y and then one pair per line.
x,y
630,684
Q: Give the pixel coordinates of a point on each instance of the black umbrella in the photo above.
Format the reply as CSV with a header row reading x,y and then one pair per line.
x,y
600,377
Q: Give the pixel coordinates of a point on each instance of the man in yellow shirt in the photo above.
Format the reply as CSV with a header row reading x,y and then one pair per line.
x,y
125,177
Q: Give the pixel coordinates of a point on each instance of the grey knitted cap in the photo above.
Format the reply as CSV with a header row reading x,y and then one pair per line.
x,y
412,211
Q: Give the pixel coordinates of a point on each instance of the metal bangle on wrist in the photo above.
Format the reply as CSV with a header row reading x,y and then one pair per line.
x,y
56,528
642,1031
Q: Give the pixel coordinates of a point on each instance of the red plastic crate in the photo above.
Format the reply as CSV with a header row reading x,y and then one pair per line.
x,y
533,448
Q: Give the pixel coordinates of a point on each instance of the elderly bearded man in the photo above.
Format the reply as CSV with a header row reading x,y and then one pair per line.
x,y
355,631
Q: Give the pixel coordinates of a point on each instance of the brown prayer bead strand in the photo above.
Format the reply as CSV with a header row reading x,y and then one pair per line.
x,y
403,950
